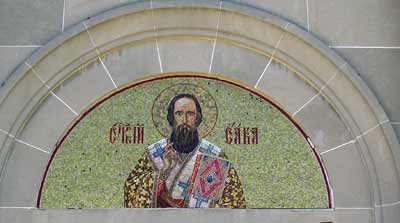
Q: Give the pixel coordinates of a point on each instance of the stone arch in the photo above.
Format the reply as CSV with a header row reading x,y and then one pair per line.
x,y
233,40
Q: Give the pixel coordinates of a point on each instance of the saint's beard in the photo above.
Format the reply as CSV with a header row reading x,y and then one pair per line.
x,y
184,138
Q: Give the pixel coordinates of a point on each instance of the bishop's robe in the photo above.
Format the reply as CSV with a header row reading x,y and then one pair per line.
x,y
141,184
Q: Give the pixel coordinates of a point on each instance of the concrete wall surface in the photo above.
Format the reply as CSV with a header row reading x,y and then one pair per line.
x,y
332,65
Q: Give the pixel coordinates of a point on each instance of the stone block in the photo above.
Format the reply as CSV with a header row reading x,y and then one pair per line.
x,y
355,104
323,124
354,215
185,55
185,17
123,26
4,145
316,63
47,124
165,215
17,98
383,161
285,87
85,86
17,215
237,23
348,177
379,68
361,23
78,10
3,137
29,22
189,3
22,177
294,11
391,214
132,63
238,63
396,128
72,50
10,58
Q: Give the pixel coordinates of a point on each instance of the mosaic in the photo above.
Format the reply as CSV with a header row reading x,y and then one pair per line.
x,y
184,141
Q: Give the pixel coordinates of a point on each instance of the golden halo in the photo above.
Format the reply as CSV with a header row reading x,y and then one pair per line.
x,y
207,103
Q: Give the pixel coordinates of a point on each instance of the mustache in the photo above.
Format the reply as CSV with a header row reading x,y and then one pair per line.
x,y
184,130
184,138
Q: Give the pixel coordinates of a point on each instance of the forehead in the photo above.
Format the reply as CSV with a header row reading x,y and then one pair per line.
x,y
185,104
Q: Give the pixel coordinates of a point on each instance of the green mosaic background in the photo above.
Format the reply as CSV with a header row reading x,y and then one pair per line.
x,y
280,172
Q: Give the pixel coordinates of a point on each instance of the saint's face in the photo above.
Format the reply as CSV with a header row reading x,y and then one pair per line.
x,y
185,112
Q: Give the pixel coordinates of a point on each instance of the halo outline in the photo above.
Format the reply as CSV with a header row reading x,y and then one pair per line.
x,y
190,84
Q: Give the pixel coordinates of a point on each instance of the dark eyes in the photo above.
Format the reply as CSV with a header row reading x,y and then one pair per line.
x,y
180,113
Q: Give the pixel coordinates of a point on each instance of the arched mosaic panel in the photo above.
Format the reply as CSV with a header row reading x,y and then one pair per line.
x,y
347,127
250,153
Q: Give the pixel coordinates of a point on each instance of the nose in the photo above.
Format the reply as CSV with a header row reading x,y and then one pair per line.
x,y
185,118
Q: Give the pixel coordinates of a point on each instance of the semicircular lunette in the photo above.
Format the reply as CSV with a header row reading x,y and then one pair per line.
x,y
254,156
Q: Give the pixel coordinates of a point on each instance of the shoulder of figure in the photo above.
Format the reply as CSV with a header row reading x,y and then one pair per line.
x,y
210,148
155,152
159,145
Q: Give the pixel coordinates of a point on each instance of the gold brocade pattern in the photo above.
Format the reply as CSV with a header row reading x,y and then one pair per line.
x,y
139,185
139,188
233,195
